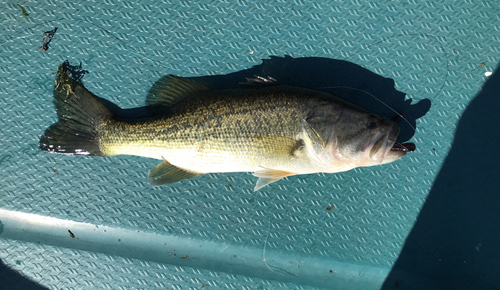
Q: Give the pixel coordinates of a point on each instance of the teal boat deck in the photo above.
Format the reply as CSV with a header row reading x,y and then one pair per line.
x,y
428,221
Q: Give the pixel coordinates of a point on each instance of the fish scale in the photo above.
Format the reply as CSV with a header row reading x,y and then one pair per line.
x,y
220,132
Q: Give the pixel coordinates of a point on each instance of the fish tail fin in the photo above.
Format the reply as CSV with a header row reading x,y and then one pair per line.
x,y
80,115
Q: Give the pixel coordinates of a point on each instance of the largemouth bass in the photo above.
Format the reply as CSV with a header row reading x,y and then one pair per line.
x,y
271,130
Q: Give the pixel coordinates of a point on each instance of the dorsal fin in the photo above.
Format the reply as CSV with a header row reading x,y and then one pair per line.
x,y
170,90
259,81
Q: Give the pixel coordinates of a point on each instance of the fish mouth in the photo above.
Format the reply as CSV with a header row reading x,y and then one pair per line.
x,y
396,146
403,147
382,144
376,144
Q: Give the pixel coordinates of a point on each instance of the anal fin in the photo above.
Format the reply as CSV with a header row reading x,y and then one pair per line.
x,y
267,176
166,173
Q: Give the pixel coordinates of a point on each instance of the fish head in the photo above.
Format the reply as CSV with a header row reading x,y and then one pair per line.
x,y
343,136
366,139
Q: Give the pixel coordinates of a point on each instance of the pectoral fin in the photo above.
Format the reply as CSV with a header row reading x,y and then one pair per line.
x,y
166,173
279,146
267,176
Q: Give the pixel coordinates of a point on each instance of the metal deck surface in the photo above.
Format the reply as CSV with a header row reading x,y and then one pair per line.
x,y
428,221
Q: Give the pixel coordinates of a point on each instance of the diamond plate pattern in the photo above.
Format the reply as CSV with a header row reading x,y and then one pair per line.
x,y
431,50
57,267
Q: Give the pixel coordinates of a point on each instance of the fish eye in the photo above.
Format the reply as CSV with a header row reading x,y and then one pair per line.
x,y
371,123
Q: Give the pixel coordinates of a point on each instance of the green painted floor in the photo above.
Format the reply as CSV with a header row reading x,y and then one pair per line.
x,y
428,221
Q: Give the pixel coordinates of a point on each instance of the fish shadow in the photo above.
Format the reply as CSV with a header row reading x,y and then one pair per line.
x,y
454,243
342,78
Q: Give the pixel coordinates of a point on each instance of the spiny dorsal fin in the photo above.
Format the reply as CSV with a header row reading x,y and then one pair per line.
x,y
170,90
259,81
